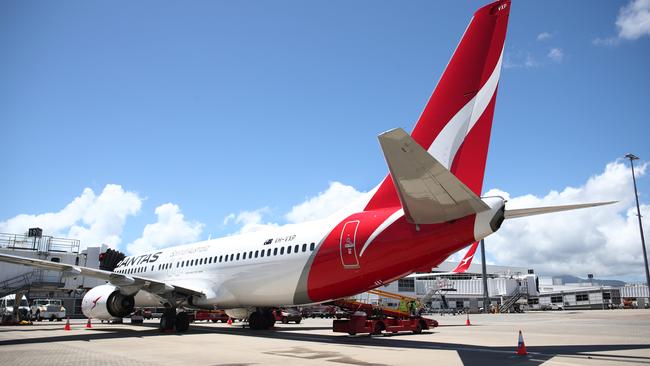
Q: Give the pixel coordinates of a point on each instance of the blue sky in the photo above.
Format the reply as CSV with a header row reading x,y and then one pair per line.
x,y
222,107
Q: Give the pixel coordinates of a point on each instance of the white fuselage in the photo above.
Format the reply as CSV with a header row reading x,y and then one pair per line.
x,y
259,268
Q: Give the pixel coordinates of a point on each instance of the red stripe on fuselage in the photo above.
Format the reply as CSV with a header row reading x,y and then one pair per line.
x,y
396,252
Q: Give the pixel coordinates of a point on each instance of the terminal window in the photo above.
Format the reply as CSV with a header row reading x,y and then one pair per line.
x,y
556,299
582,297
406,284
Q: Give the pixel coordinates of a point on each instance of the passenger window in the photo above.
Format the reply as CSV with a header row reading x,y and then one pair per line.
x,y
244,257
312,246
295,249
268,252
237,256
215,259
210,260
231,257
281,250
275,251
152,268
262,253
256,253
289,249
250,254
304,248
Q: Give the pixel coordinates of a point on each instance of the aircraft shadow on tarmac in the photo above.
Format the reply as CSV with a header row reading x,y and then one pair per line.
x,y
469,354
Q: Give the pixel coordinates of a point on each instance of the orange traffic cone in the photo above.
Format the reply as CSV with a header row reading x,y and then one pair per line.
x,y
467,321
88,324
229,321
521,347
67,324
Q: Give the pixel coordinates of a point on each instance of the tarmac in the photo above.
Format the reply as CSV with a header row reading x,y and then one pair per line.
x,y
595,337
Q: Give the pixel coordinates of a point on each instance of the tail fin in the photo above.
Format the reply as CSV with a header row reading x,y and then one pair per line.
x,y
467,260
456,122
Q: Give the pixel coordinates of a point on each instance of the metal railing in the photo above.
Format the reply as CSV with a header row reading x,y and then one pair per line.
x,y
37,277
41,244
15,284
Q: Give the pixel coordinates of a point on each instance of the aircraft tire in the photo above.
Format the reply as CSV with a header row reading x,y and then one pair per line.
x,y
182,322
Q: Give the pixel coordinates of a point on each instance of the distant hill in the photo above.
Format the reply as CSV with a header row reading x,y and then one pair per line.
x,y
575,279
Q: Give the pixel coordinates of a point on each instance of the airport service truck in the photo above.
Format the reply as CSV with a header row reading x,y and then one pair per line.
x,y
50,309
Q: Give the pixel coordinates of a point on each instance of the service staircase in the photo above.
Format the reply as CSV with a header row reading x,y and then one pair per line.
x,y
24,282
438,289
16,284
507,303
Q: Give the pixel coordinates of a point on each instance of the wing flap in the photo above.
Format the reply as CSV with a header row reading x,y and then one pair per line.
x,y
428,191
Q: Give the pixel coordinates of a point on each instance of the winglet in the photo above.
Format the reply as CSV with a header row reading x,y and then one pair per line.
x,y
428,192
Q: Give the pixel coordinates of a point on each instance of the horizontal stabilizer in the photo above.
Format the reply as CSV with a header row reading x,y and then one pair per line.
x,y
428,191
522,212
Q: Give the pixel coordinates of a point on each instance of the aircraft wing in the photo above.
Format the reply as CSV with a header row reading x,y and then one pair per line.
x,y
117,279
428,191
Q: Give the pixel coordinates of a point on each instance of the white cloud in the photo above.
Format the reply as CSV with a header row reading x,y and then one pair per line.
x,y
171,228
337,196
633,22
544,36
556,55
228,219
519,59
250,221
602,240
90,218
609,41
334,198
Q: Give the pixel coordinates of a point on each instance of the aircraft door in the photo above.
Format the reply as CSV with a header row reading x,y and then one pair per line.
x,y
348,245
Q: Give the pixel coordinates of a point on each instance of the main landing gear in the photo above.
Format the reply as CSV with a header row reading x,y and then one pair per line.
x,y
170,321
261,318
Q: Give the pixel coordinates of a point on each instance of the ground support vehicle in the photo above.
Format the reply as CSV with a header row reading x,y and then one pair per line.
x,y
287,315
359,322
137,317
211,315
372,319
7,307
50,309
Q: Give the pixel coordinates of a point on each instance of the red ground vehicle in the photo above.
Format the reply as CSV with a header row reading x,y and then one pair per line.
x,y
211,315
367,318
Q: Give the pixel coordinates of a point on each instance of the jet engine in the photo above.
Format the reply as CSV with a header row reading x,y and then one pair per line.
x,y
105,302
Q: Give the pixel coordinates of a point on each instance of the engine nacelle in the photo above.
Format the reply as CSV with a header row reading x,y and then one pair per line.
x,y
105,302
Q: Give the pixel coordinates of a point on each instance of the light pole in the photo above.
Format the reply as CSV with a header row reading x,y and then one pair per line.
x,y
486,295
633,157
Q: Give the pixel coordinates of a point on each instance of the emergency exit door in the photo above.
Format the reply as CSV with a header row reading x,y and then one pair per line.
x,y
348,245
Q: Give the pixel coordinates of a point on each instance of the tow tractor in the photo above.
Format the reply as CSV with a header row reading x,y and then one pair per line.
x,y
372,319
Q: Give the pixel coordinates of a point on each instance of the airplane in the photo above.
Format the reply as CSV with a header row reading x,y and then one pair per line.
x,y
425,209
